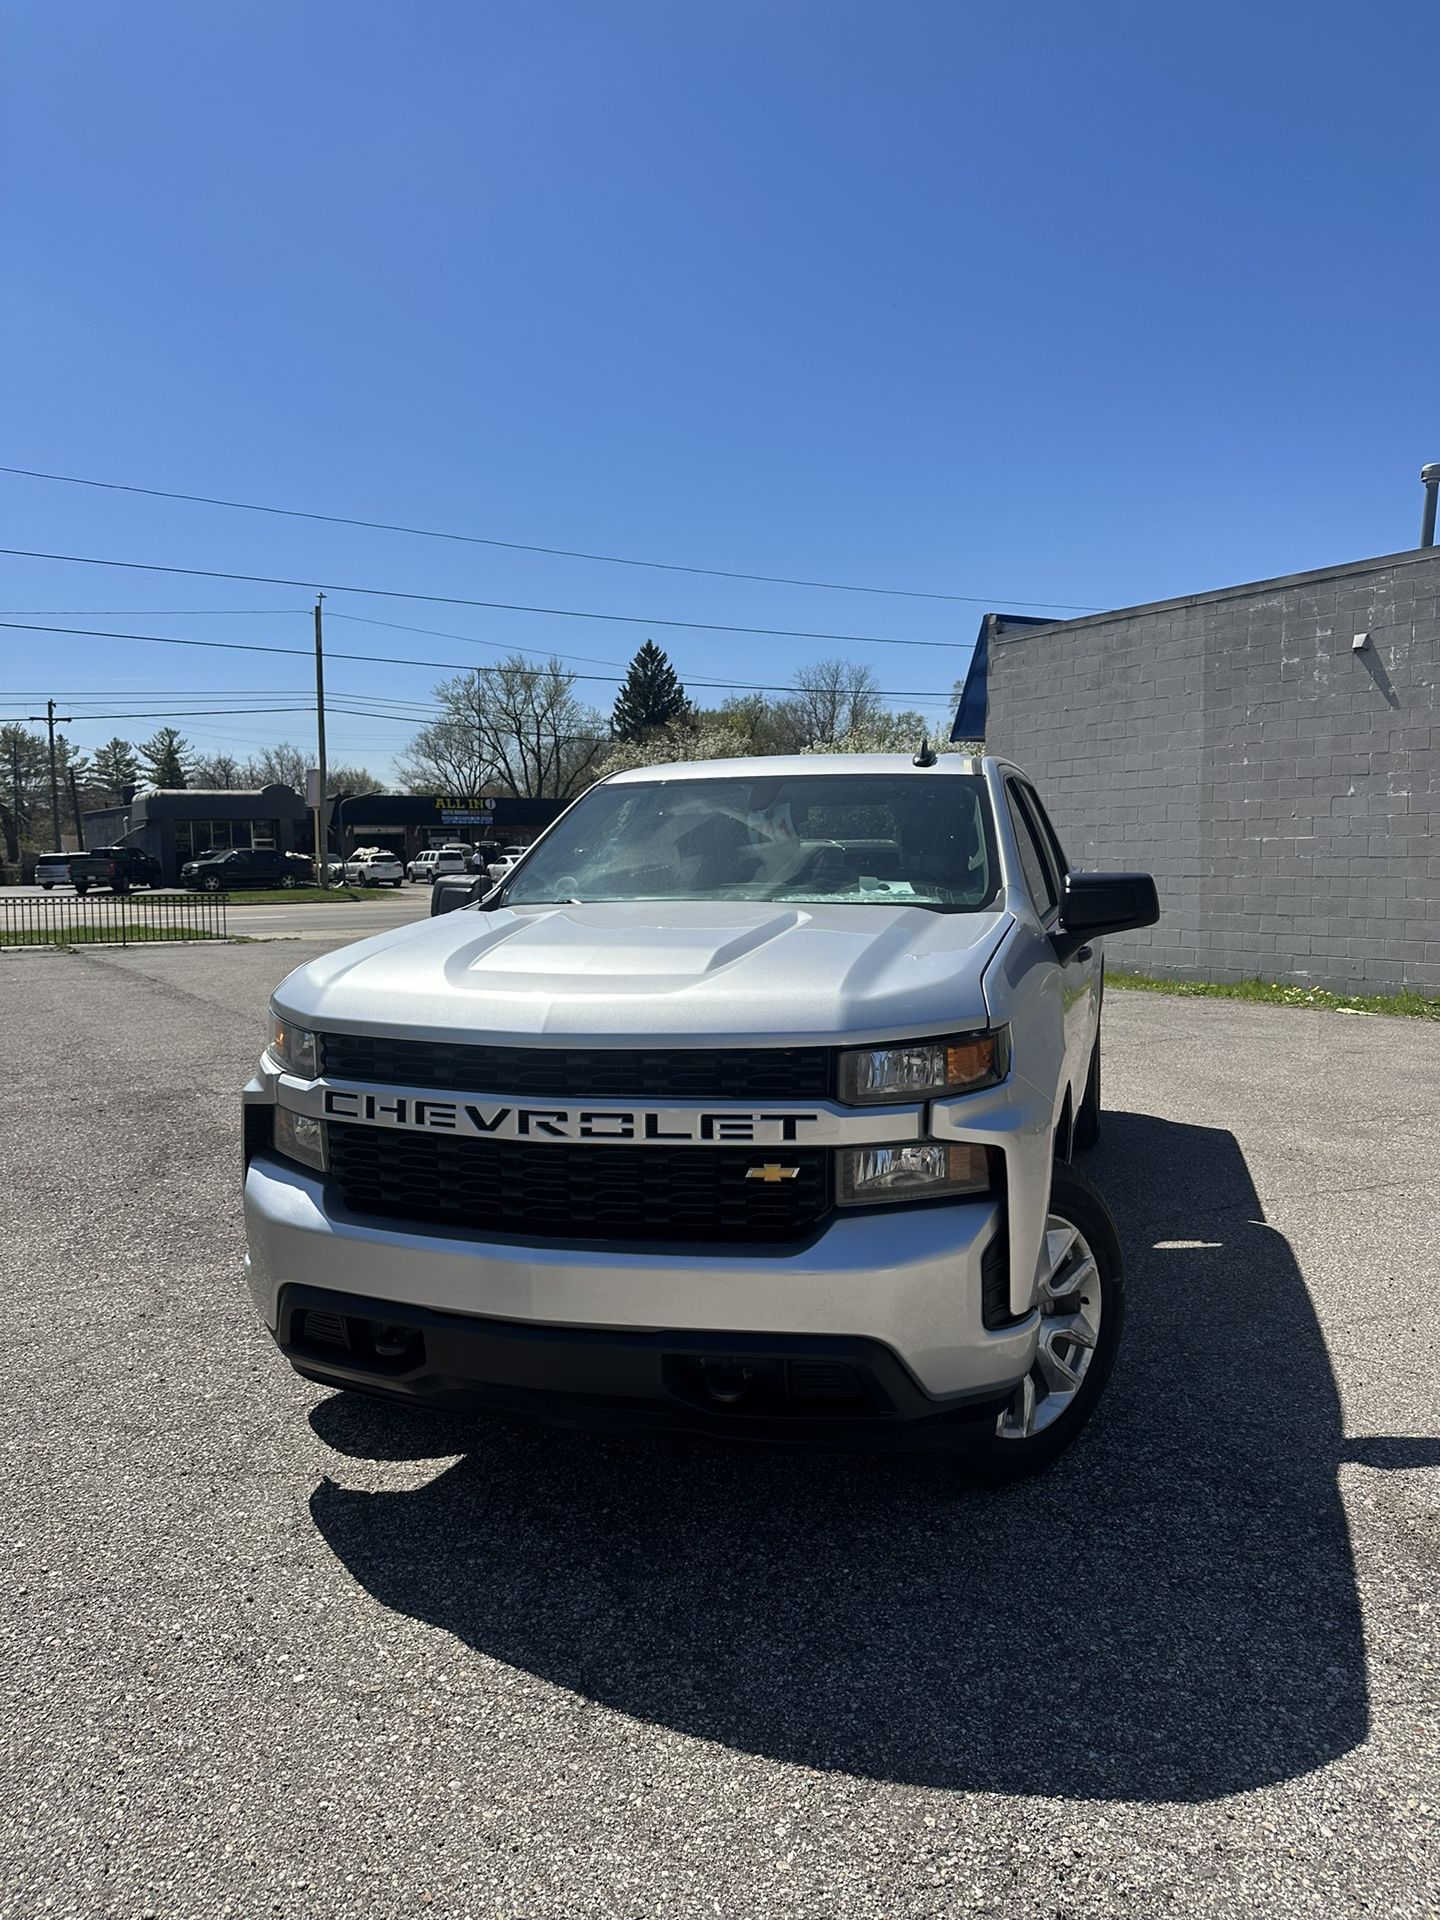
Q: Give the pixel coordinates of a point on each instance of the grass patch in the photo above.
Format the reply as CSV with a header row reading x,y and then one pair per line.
x,y
1274,993
98,936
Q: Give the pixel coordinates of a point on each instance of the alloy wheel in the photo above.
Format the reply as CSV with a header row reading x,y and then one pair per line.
x,y
1070,1308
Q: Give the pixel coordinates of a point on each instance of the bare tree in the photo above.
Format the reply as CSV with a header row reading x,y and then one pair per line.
x,y
345,779
514,728
219,771
448,755
834,698
279,766
766,725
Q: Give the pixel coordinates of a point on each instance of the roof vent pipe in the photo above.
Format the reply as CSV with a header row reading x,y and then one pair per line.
x,y
1430,480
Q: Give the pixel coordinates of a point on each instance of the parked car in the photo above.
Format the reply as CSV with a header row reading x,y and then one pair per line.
x,y
745,1107
247,867
375,867
52,870
118,868
499,867
427,866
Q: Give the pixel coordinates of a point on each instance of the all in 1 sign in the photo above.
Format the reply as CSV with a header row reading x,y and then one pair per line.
x,y
460,813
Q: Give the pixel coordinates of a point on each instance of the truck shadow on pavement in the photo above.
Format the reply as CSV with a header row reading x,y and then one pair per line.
x,y
1169,1614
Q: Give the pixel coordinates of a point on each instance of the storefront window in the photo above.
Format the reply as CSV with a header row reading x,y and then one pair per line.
x,y
194,837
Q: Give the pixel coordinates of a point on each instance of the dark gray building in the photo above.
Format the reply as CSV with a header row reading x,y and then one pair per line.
x,y
1268,751
175,824
407,823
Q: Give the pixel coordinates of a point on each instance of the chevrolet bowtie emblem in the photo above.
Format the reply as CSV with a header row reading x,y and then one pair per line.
x,y
772,1174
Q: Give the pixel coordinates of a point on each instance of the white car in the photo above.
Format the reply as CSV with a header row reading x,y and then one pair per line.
x,y
52,870
427,866
374,867
498,868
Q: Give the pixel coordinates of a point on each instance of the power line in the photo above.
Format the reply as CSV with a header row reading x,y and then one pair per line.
x,y
177,713
470,640
118,613
389,660
493,606
522,546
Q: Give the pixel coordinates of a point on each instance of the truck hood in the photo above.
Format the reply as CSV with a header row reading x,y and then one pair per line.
x,y
667,974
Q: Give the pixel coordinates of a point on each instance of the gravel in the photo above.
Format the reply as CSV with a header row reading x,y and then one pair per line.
x,y
265,1650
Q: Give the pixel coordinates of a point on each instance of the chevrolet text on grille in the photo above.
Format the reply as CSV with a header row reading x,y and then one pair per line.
x,y
663,1126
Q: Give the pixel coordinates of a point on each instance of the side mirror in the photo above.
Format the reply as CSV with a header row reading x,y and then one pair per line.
x,y
452,890
1093,904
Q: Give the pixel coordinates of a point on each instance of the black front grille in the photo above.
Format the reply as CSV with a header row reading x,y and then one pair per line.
x,y
598,1073
580,1192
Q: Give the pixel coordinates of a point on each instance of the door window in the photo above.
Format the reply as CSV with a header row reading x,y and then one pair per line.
x,y
1047,833
1035,859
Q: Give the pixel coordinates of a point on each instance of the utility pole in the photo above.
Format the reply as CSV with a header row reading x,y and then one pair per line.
x,y
322,849
75,809
49,717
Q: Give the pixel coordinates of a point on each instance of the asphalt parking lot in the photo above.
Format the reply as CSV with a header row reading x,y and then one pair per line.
x,y
269,1650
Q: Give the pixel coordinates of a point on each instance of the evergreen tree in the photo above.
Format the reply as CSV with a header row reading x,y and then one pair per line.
x,y
163,757
651,697
116,768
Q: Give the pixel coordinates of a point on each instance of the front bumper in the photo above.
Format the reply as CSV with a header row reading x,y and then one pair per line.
x,y
908,1280
790,1390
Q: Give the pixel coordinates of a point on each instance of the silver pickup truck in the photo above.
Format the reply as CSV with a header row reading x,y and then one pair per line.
x,y
745,1105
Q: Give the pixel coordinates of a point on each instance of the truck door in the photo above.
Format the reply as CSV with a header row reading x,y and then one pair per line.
x,y
1045,866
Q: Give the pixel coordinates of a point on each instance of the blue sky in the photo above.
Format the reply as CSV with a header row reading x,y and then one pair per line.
x,y
1088,305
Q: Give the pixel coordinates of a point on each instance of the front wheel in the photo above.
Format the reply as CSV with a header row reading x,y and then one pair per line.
x,y
288,880
211,883
1081,1298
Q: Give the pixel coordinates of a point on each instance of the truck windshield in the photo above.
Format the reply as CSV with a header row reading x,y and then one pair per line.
x,y
881,839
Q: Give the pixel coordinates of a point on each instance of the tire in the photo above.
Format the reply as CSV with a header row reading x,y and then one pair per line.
x,y
288,880
211,883
1086,1131
397,883
80,892
1093,1258
46,885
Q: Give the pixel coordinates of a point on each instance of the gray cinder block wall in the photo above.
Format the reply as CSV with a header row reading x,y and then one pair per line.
x,y
1280,784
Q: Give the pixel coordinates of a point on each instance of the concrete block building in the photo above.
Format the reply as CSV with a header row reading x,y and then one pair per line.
x,y
1268,751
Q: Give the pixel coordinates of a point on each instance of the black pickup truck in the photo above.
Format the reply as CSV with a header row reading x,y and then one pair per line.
x,y
119,868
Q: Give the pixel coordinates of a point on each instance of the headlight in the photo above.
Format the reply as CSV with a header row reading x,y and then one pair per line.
x,y
920,1069
296,1048
868,1176
300,1138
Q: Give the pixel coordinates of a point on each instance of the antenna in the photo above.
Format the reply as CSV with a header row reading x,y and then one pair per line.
x,y
926,756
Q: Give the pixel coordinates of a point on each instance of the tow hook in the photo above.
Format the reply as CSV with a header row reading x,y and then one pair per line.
x,y
727,1381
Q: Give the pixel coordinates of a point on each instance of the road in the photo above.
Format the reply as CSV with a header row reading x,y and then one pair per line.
x,y
270,1650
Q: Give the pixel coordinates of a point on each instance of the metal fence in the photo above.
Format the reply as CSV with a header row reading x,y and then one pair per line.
x,y
110,919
